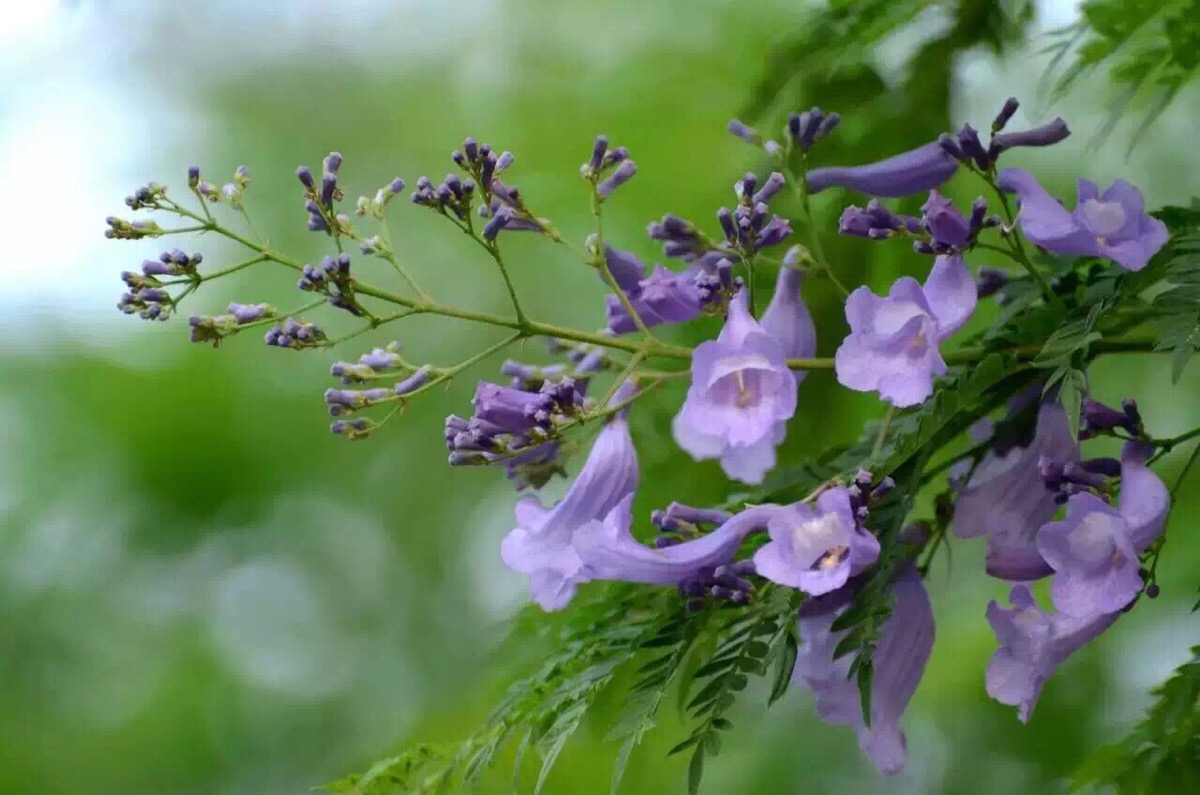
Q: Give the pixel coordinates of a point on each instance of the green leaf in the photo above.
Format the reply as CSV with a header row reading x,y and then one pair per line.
x,y
865,677
784,667
695,770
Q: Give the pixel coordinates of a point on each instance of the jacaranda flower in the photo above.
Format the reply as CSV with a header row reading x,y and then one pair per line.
x,y
1007,501
1112,224
1033,643
742,392
893,343
899,662
610,552
816,549
1094,549
916,171
541,546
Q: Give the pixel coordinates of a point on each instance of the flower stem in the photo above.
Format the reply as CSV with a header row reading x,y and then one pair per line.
x,y
389,254
799,183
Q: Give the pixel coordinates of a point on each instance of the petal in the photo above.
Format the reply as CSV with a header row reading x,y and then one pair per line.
x,y
530,513
610,551
1043,220
608,476
915,171
1016,561
687,428
787,318
912,384
626,269
1135,253
1144,501
1130,199
739,322
951,293
750,463
900,659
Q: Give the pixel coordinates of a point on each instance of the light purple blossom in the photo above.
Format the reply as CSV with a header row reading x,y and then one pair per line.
x,y
1112,224
541,546
1033,643
1096,568
893,343
1007,501
915,171
899,662
1094,549
610,552
742,392
816,549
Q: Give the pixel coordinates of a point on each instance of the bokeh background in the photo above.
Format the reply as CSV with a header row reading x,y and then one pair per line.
x,y
203,591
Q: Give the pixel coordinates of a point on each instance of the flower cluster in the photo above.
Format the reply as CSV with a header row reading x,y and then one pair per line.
x,y
1091,524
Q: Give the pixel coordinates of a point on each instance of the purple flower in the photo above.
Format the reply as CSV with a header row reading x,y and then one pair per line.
x,y
893,343
899,662
1007,501
1094,549
610,552
541,545
1096,568
1112,224
663,297
946,224
742,392
916,171
816,549
1033,643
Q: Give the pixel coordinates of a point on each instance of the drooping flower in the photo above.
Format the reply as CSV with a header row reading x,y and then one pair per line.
x,y
1094,549
816,549
610,552
1033,643
742,392
893,343
899,662
1007,500
541,545
1112,224
915,171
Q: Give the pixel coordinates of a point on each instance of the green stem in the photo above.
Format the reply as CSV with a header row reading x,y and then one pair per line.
x,y
881,438
390,255
601,264
799,183
1018,248
649,348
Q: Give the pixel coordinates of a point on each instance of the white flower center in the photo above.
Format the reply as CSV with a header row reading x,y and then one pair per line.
x,y
1103,218
820,542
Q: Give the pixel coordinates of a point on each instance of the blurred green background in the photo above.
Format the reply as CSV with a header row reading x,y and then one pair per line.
x,y
203,591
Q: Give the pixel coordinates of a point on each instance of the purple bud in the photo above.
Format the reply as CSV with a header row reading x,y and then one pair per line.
x,y
990,281
248,313
305,176
951,147
968,139
725,217
414,382
599,147
1046,135
770,188
333,162
746,133
1109,467
471,148
828,125
193,176
328,187
623,174
1005,114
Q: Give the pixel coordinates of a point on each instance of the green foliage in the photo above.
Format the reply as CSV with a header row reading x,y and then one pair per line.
x,y
1162,754
1151,49
1179,324
752,640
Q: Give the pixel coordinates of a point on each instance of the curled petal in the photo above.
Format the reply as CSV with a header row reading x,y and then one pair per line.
x,y
951,293
1144,501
